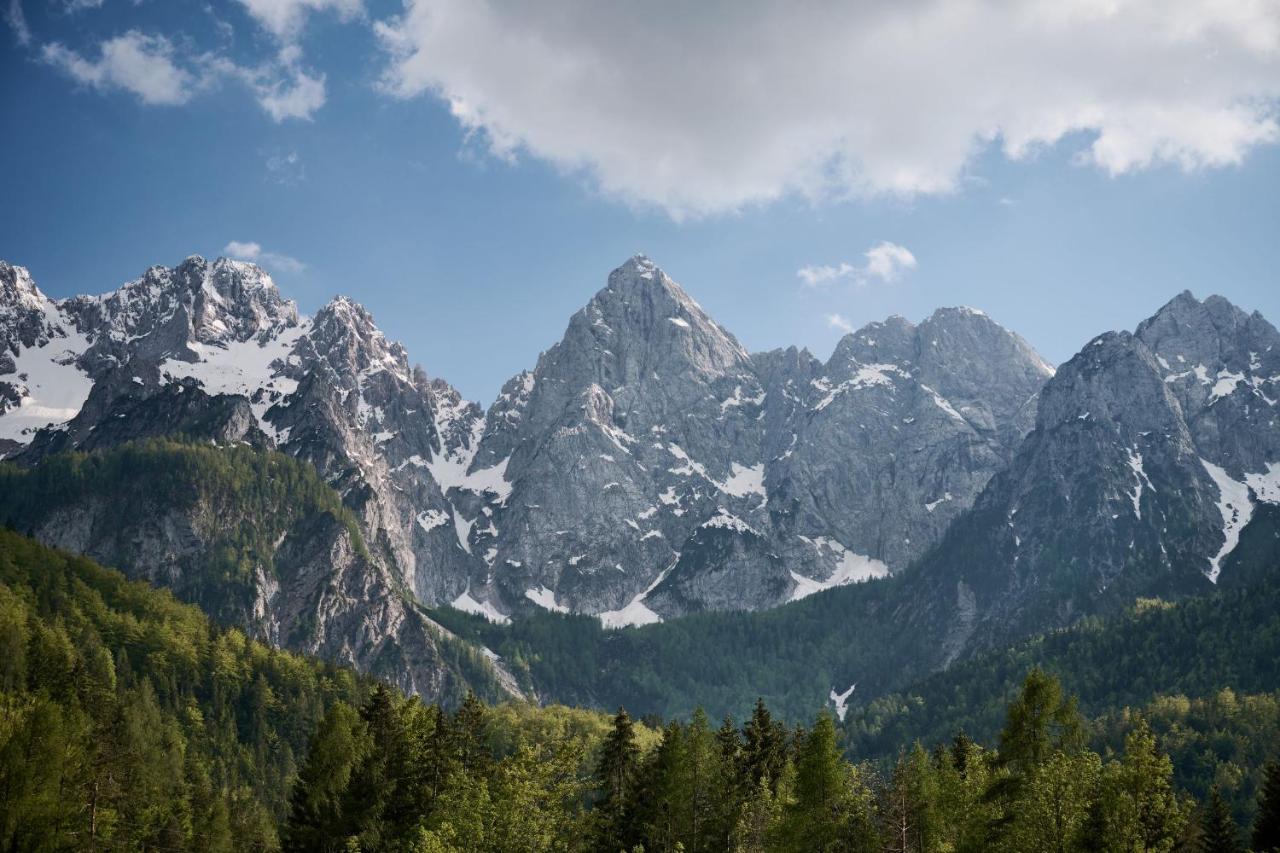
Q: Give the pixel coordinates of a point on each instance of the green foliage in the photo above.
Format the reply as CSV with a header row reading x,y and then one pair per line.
x,y
1218,832
1266,825
128,721
243,501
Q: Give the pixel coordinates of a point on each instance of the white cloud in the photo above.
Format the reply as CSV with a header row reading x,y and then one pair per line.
x,y
285,18
709,107
824,274
17,22
286,168
136,62
886,262
253,252
837,321
291,93
81,5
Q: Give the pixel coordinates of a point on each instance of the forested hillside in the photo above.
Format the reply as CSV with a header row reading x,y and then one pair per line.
x,y
131,722
795,655
256,539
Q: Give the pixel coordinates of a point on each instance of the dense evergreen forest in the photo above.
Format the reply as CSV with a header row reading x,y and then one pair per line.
x,y
129,721
794,655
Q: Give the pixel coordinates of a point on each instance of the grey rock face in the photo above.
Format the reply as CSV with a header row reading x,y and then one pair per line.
x,y
648,422
211,350
1150,454
648,466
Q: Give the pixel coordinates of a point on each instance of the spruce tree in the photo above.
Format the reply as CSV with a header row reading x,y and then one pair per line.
x,y
1040,721
1218,832
765,747
616,776
1266,823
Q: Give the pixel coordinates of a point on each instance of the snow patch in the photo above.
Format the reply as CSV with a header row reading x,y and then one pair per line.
x,y
1135,465
545,598
431,519
467,604
1266,485
1236,509
851,568
841,700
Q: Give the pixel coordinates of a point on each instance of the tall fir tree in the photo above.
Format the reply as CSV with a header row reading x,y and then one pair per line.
x,y
1266,823
1218,831
616,776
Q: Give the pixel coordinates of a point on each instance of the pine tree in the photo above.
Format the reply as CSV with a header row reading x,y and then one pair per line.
x,y
765,747
1266,823
615,777
1217,828
1040,721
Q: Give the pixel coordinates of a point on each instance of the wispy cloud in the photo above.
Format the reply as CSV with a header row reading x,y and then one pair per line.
x,y
135,62
150,67
884,262
286,168
285,18
840,322
17,22
271,261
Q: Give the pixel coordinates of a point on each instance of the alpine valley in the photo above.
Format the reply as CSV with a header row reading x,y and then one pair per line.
x,y
650,514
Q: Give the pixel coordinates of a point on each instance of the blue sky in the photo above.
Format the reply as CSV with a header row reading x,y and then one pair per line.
x,y
471,173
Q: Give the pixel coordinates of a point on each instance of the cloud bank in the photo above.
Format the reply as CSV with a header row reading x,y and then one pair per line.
x,y
711,107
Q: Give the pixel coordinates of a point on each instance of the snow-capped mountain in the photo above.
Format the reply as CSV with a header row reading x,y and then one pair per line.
x,y
211,350
654,467
647,466
1154,456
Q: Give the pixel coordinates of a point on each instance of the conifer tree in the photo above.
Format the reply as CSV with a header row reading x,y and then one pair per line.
x,y
615,777
765,745
1218,832
1266,823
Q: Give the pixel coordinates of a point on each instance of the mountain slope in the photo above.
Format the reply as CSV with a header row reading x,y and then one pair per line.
x,y
254,538
647,467
1137,480
654,468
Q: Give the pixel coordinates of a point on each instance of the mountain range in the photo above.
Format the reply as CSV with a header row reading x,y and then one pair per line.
x,y
648,467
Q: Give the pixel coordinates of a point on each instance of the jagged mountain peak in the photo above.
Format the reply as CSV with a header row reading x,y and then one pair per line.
x,y
17,289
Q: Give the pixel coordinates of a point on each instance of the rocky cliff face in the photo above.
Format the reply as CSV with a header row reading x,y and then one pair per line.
x,y
1151,454
655,468
648,466
210,350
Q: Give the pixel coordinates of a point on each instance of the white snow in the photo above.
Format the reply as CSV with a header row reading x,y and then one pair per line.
x,y
1226,383
727,521
942,403
851,568
932,505
1236,509
431,519
867,376
677,321
468,604
545,598
56,388
1135,464
744,481
1266,485
841,700
463,528
242,367
450,471
635,612
738,400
